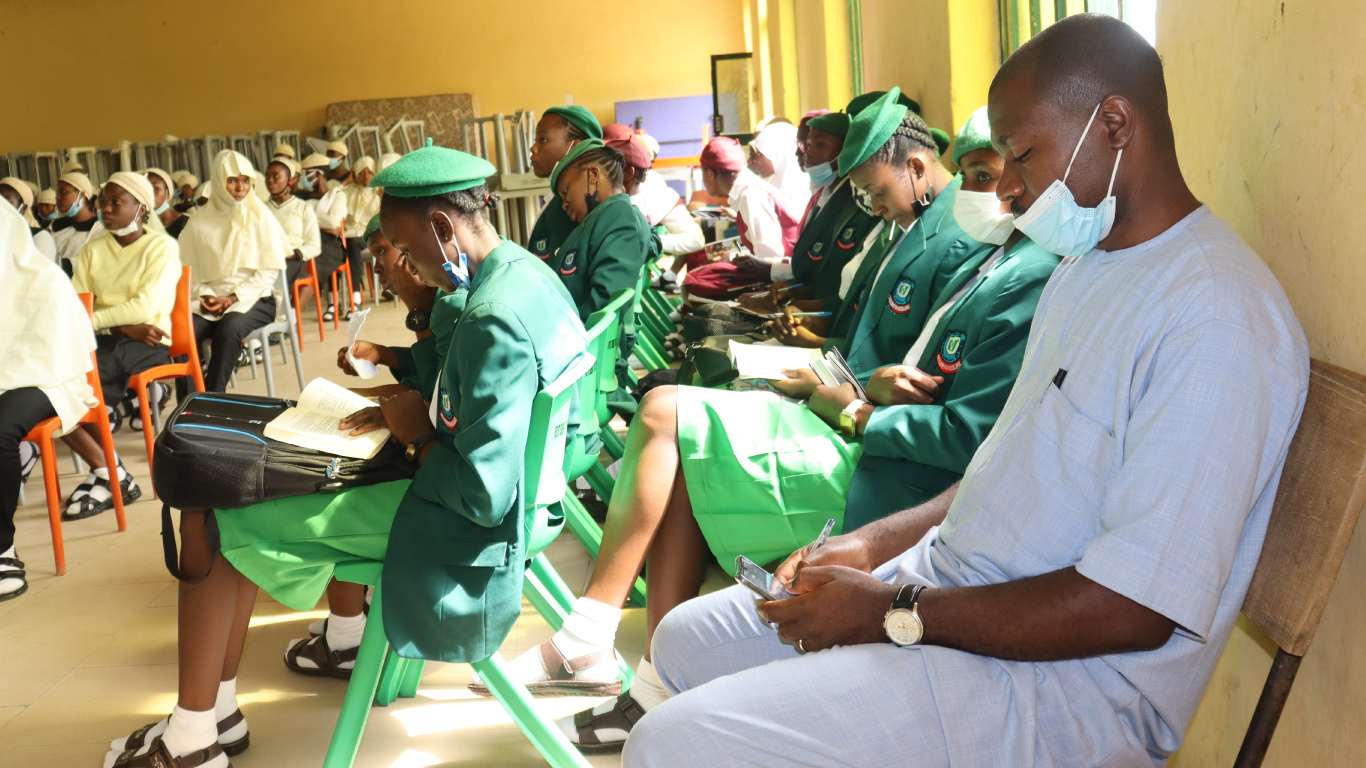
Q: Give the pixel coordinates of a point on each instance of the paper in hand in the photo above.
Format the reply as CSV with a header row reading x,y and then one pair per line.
x,y
364,368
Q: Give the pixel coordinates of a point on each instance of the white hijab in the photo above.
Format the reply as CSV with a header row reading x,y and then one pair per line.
x,y
778,142
45,335
227,235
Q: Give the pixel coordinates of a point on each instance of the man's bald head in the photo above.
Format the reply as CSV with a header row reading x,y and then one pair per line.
x,y
1080,60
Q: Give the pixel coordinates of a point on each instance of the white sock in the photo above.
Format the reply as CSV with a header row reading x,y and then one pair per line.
x,y
344,631
189,731
648,690
318,627
226,703
614,469
591,626
103,473
9,585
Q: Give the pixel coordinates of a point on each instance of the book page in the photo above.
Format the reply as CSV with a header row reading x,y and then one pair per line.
x,y
765,361
840,368
322,396
364,368
312,429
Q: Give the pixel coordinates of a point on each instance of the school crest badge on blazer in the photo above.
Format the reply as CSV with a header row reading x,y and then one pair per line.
x,y
444,409
541,248
570,265
814,252
900,299
846,239
950,357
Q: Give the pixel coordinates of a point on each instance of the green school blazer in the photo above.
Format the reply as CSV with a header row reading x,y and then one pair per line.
x,y
912,453
551,229
828,241
605,253
893,314
846,309
418,364
453,570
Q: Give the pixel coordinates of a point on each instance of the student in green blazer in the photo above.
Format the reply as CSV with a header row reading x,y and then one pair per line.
x,y
745,474
833,228
452,538
558,131
611,239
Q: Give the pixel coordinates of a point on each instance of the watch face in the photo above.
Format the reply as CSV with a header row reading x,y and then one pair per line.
x,y
903,627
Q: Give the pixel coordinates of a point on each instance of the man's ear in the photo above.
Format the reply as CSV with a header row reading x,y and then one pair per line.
x,y
1119,117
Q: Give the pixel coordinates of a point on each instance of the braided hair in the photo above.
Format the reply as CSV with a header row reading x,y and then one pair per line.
x,y
609,160
574,132
911,136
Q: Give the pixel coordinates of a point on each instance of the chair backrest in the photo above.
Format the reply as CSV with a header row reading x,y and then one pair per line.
x,y
182,323
93,376
611,338
1318,502
600,323
283,288
544,460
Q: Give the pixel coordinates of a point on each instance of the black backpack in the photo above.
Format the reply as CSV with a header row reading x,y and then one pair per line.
x,y
213,454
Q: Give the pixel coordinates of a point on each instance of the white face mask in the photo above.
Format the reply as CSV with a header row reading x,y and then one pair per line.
x,y
132,225
979,215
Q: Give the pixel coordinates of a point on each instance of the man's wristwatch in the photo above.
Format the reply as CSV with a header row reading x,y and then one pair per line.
x,y
418,320
849,419
903,623
414,450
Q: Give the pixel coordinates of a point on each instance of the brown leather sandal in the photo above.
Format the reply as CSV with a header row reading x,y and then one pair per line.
x,y
623,715
159,757
137,738
561,673
329,662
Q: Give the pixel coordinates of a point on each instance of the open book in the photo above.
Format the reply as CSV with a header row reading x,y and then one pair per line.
x,y
767,361
312,423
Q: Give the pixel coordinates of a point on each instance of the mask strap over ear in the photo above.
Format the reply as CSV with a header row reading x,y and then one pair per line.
x,y
1080,141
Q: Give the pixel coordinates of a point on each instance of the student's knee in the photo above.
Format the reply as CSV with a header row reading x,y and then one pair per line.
x,y
658,413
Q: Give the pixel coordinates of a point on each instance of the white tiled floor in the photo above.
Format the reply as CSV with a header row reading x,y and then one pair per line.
x,y
91,655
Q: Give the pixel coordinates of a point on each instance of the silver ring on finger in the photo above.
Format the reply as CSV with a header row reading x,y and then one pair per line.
x,y
801,649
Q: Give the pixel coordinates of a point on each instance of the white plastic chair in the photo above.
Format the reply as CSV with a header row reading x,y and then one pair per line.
x,y
282,327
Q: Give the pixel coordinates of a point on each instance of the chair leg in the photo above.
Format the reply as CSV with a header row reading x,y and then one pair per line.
x,y
612,441
1268,712
390,678
336,305
111,460
412,676
601,481
54,502
251,357
270,373
355,709
298,315
298,360
548,739
148,436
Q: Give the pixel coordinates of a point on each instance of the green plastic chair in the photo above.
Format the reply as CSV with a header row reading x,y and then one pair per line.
x,y
378,679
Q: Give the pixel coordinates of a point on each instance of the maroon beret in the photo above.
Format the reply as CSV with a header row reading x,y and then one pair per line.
x,y
615,132
723,154
637,156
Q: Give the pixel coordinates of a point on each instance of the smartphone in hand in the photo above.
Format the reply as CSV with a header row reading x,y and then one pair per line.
x,y
759,581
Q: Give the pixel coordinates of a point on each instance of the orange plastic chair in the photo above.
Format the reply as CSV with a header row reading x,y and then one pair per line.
x,y
312,281
42,433
182,343
350,288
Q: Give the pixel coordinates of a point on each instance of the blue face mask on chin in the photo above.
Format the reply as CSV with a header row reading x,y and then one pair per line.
x,y
1058,225
822,174
458,273
333,162
74,209
306,182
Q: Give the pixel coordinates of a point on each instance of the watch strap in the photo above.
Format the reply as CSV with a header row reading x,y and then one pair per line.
x,y
416,446
908,600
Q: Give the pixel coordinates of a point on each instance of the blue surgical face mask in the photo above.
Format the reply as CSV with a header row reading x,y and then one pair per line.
x,y
164,207
333,162
822,174
52,215
1058,225
458,273
306,182
75,207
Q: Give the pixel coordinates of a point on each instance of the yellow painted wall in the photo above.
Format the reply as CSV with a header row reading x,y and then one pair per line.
x,y
1269,105
942,53
95,72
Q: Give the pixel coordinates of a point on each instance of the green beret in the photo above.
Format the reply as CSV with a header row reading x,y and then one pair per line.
x,y
870,129
574,154
433,171
579,118
836,123
941,139
974,135
371,228
856,106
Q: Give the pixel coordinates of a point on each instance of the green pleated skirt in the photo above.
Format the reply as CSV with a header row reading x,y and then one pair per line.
x,y
289,547
763,474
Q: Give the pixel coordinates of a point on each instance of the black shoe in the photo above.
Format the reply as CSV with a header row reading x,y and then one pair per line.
x,y
87,506
590,501
115,419
330,314
27,468
13,569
